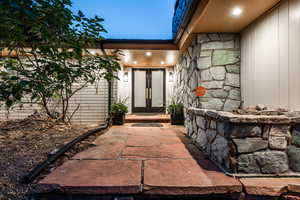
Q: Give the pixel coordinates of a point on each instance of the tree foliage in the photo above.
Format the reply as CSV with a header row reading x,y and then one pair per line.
x,y
51,59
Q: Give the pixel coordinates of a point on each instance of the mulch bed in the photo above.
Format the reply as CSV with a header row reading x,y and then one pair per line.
x,y
26,143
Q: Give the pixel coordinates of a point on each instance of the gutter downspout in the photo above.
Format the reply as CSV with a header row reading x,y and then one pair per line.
x,y
110,90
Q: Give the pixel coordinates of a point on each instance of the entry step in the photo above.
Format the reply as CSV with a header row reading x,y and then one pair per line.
x,y
147,118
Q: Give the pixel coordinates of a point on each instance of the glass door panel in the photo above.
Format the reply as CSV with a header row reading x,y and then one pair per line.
x,y
140,88
157,88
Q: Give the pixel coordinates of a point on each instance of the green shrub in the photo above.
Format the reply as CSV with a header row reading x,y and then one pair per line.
x,y
175,108
119,108
48,54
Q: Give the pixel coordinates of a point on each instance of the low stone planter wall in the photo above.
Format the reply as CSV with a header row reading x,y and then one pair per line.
x,y
266,144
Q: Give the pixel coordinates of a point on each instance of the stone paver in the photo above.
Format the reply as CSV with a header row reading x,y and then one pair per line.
x,y
142,141
152,161
187,177
175,151
175,177
110,139
294,187
108,146
291,197
269,186
95,177
150,131
222,183
105,151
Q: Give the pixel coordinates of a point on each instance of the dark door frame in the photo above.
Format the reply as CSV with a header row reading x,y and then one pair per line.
x,y
149,108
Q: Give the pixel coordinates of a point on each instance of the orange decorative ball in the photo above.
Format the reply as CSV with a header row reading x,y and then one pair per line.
x,y
200,91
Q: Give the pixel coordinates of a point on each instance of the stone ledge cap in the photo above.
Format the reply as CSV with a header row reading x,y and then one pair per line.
x,y
236,118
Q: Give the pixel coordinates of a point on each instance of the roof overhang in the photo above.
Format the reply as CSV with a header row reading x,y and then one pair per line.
x,y
140,44
164,53
202,16
216,16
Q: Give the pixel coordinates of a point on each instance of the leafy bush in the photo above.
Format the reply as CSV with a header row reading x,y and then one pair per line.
x,y
119,108
48,54
175,108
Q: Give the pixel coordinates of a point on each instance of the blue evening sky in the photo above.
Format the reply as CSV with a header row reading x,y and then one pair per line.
x,y
131,19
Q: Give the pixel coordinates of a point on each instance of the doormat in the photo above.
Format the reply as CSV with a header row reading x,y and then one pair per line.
x,y
147,125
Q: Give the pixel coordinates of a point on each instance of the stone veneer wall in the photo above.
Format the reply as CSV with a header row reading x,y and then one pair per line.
x,y
247,143
212,61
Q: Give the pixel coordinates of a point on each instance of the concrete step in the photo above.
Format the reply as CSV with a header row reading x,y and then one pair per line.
x,y
147,118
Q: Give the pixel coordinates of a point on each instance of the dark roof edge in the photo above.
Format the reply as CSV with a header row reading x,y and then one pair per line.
x,y
186,19
138,44
137,41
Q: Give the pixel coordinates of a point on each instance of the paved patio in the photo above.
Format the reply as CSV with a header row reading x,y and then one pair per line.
x,y
150,161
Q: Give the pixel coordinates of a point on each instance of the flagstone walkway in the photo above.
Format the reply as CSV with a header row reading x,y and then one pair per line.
x,y
142,160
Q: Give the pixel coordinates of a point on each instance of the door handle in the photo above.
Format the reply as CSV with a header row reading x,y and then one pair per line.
x,y
146,93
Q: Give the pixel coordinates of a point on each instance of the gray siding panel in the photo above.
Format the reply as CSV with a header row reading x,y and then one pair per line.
x,y
271,58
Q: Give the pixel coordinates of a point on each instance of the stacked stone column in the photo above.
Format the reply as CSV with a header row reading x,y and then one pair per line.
x,y
212,61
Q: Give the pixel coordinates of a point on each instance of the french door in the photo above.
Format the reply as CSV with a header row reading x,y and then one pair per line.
x,y
148,90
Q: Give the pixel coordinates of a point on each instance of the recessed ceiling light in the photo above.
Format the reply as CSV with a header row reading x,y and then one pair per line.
x,y
135,62
148,53
237,11
162,62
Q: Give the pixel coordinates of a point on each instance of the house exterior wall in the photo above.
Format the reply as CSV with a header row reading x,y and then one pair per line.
x,y
270,66
212,61
93,101
170,90
125,88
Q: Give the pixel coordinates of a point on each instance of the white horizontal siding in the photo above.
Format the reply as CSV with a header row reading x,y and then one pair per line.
x,y
93,102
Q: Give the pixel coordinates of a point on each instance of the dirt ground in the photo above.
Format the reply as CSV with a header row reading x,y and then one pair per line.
x,y
26,143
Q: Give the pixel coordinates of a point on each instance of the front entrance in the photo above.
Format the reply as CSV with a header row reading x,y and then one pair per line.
x,y
148,90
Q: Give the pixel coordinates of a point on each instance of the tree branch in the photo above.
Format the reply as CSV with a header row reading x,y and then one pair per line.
x,y
74,111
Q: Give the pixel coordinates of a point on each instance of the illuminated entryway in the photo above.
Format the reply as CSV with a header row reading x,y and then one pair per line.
x,y
148,90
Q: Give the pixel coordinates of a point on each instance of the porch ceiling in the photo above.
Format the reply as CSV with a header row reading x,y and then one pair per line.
x,y
216,16
149,58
